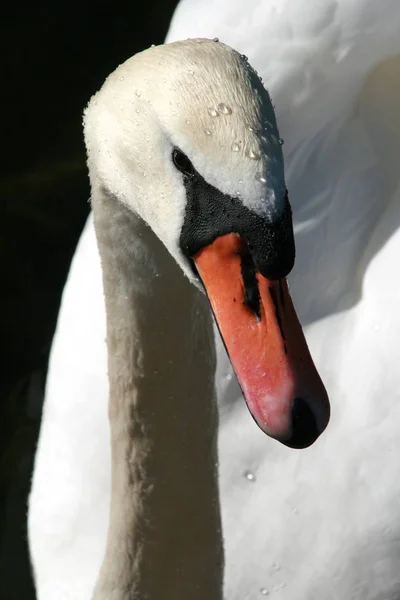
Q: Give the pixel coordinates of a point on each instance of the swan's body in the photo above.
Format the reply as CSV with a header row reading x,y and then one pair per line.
x,y
323,523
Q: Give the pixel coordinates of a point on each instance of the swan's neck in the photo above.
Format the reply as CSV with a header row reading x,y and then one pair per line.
x,y
164,538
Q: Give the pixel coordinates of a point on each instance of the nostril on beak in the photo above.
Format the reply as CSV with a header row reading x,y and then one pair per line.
x,y
304,425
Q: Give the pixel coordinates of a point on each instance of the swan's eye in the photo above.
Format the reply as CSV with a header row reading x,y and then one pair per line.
x,y
182,163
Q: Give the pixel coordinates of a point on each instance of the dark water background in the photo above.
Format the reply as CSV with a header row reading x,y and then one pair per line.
x,y
54,56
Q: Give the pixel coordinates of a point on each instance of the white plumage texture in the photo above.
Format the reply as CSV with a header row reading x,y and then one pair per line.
x,y
321,523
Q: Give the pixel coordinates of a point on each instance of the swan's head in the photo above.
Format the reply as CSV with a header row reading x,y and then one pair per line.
x,y
185,135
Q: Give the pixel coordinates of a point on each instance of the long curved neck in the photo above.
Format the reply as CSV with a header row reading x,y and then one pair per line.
x,y
164,539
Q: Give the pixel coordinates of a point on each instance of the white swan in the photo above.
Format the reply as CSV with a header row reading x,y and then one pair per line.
x,y
178,174
322,523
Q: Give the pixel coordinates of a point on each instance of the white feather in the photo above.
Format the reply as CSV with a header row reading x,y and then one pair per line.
x,y
311,524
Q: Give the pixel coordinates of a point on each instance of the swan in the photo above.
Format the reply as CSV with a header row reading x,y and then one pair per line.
x,y
323,522
180,178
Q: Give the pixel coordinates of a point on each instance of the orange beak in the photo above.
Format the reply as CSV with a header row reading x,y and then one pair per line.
x,y
265,343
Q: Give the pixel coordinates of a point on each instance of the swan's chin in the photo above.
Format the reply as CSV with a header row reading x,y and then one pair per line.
x,y
265,343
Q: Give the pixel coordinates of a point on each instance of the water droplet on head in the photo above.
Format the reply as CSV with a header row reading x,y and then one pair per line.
x,y
244,57
224,109
387,530
138,93
281,141
191,71
152,46
121,78
215,39
261,178
212,112
235,147
264,592
252,154
250,476
207,132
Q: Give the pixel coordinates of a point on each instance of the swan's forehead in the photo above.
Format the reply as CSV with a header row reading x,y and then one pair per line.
x,y
213,106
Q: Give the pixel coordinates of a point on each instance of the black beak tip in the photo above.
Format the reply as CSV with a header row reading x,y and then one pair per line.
x,y
304,426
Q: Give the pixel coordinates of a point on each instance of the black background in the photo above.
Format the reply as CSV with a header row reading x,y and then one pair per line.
x,y
54,56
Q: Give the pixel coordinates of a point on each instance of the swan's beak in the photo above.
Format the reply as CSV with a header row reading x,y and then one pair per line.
x,y
265,343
